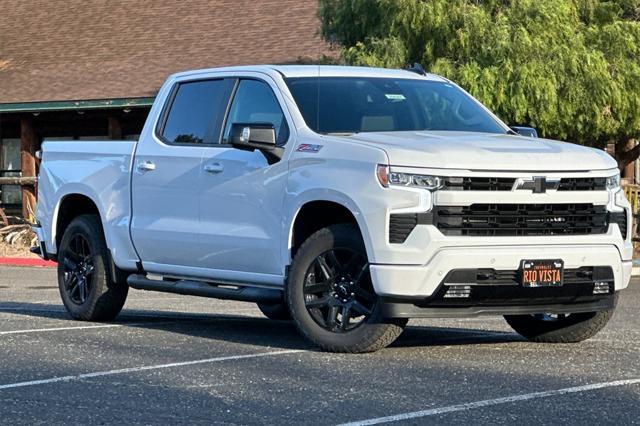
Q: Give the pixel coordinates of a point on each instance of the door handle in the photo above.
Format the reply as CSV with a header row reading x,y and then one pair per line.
x,y
146,166
213,168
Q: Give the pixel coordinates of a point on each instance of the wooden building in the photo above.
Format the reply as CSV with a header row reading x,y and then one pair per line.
x,y
90,69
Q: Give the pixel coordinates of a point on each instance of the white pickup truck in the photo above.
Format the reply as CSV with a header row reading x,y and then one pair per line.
x,y
346,199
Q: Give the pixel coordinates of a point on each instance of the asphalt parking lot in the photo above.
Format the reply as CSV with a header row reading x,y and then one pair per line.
x,y
173,359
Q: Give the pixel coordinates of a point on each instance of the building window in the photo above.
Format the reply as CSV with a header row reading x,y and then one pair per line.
x,y
10,195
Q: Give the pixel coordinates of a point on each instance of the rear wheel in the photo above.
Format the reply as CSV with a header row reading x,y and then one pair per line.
x,y
87,289
559,328
331,297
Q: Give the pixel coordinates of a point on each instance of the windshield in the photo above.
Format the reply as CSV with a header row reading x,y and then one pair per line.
x,y
369,104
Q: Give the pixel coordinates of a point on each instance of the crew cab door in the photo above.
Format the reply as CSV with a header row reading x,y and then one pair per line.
x,y
167,173
242,194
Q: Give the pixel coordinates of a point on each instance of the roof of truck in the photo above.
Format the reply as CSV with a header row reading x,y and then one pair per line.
x,y
347,71
293,71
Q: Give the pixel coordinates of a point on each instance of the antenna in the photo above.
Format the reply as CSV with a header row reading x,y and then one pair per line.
x,y
417,68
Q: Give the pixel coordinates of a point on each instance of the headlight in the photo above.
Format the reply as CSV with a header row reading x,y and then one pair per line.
x,y
613,182
388,177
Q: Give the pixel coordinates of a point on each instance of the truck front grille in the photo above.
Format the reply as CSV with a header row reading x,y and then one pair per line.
x,y
583,184
478,184
506,184
521,219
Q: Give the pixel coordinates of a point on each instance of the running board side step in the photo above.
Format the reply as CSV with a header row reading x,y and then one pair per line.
x,y
205,289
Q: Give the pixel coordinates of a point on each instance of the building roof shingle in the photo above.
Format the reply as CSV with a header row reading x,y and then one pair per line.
x,y
110,49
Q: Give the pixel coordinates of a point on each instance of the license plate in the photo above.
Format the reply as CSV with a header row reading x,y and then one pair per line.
x,y
542,273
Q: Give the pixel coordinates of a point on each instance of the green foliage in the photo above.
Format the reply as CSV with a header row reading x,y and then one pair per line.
x,y
571,68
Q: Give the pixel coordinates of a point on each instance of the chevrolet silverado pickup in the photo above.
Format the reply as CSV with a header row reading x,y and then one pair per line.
x,y
345,199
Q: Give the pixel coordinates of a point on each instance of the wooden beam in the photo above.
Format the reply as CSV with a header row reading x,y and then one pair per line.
x,y
115,128
629,170
28,146
23,181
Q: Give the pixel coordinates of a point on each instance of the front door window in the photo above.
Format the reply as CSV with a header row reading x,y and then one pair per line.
x,y
255,102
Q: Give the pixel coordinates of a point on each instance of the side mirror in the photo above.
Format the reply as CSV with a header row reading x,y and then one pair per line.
x,y
529,132
260,136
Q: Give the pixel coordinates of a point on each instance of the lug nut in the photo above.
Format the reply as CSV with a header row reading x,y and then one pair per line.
x,y
353,294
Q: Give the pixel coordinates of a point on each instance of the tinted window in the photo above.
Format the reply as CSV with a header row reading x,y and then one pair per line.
x,y
197,112
255,102
354,104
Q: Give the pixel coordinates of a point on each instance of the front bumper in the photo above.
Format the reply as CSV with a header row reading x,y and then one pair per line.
x,y
415,309
423,281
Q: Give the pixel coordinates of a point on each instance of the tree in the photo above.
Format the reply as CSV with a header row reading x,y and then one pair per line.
x,y
570,68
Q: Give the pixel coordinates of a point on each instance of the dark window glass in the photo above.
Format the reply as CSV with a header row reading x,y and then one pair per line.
x,y
255,102
354,104
197,112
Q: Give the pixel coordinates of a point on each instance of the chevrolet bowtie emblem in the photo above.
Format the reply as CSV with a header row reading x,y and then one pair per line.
x,y
539,184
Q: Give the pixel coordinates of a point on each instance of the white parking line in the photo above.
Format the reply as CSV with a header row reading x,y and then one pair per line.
x,y
83,327
40,330
144,368
132,313
490,402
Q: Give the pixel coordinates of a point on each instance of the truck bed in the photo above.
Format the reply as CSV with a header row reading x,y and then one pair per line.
x,y
99,169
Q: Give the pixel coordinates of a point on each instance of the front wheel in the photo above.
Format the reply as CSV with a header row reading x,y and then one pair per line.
x,y
331,297
559,328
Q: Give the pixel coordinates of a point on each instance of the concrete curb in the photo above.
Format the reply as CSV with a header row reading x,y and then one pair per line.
x,y
27,261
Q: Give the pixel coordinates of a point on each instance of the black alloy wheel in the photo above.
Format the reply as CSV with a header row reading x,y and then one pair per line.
x,y
337,290
78,269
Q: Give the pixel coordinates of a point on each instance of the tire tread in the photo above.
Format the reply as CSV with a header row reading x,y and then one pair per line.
x,y
573,332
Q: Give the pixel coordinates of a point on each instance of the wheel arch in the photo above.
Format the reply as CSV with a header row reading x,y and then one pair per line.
x,y
69,207
315,214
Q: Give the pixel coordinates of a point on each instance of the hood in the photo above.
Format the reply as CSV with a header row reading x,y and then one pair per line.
x,y
484,151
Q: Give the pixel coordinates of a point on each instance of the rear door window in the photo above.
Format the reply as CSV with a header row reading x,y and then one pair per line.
x,y
197,112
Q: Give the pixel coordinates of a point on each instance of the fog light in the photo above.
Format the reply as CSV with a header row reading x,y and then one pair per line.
x,y
600,287
458,291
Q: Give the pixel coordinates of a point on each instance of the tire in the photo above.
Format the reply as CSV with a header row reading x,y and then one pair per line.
x,y
278,312
88,291
571,328
337,255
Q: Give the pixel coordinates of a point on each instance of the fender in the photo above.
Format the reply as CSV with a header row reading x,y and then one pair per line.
x,y
61,195
295,205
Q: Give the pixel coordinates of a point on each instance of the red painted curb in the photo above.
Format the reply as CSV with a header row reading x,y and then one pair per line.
x,y
33,262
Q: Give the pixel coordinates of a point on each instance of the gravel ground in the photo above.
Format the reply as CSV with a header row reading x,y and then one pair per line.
x,y
173,359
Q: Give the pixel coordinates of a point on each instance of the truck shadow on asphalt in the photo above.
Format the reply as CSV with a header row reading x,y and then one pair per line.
x,y
252,330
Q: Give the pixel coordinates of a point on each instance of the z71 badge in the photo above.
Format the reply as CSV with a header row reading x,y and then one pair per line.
x,y
307,147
